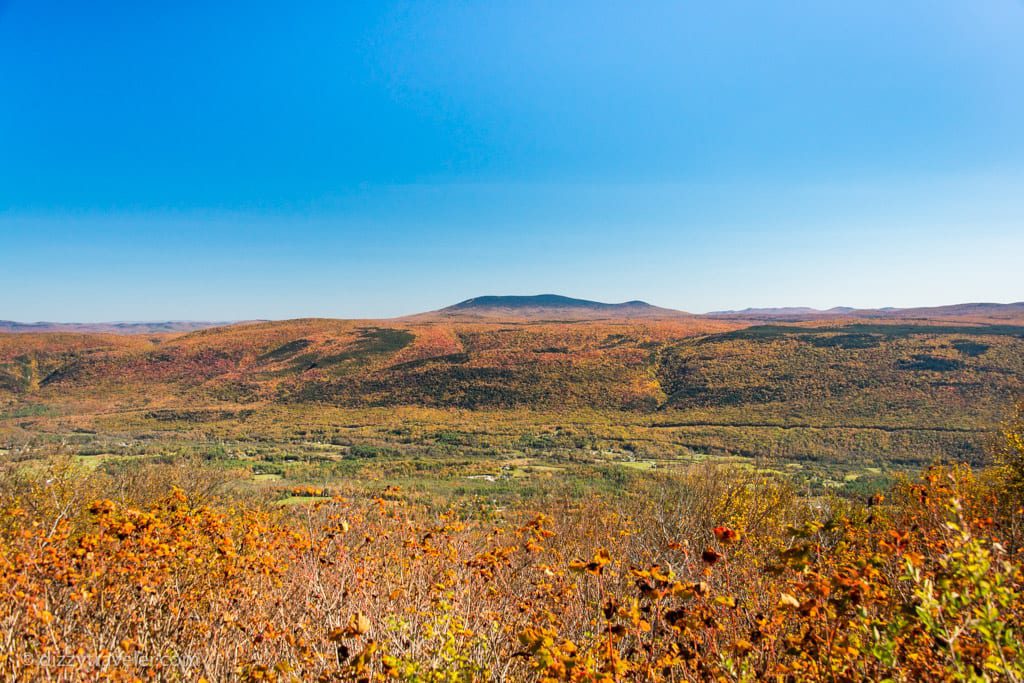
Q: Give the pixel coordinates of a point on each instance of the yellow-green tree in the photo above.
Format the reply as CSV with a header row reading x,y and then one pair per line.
x,y
1011,451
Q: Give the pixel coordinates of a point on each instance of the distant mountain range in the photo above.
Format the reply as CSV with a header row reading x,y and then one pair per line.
x,y
554,307
783,311
986,311
111,328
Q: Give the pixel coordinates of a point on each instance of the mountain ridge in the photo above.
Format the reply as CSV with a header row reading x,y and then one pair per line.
x,y
545,306
556,300
553,307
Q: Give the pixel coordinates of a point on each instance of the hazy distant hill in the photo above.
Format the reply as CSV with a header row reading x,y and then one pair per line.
x,y
984,312
802,312
110,328
551,307
1014,311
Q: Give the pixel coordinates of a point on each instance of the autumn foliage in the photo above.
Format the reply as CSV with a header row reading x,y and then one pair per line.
x,y
716,574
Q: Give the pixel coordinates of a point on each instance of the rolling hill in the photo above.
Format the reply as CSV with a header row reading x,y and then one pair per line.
x,y
837,389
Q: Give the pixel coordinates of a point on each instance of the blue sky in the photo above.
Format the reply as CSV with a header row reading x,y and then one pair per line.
x,y
229,160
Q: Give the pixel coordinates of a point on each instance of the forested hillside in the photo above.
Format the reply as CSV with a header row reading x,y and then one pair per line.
x,y
848,388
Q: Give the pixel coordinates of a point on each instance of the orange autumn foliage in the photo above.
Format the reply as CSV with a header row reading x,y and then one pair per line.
x,y
925,586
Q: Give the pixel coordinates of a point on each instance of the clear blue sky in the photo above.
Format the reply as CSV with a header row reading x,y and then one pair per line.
x,y
227,160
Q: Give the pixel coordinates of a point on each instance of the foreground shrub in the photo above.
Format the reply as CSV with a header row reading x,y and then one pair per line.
x,y
716,574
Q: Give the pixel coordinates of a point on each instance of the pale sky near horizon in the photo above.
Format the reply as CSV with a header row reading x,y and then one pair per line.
x,y
230,160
